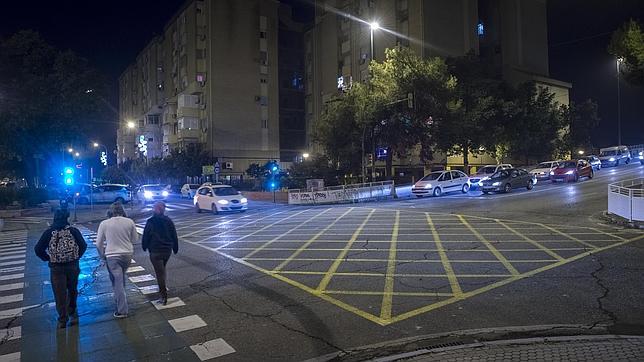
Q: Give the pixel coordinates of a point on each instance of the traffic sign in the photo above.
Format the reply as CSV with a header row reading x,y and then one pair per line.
x,y
217,168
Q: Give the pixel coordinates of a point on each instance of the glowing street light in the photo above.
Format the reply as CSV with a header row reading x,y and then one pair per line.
x,y
130,124
96,144
619,61
580,152
76,154
305,155
70,150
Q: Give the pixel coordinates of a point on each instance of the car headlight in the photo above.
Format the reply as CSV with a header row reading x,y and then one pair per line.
x,y
428,186
480,183
147,194
243,200
496,183
641,153
222,202
552,173
611,159
570,172
165,193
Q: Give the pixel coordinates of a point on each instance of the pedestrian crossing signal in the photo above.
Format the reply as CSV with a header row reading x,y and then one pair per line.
x,y
68,176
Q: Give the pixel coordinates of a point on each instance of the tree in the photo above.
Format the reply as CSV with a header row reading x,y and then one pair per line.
x,y
319,167
628,43
114,174
579,120
43,101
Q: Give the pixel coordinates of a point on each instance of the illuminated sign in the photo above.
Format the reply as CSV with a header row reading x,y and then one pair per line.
x,y
104,158
143,145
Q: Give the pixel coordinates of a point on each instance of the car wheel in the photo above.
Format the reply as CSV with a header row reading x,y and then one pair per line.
x,y
591,174
530,185
486,192
214,209
120,199
437,192
507,188
553,181
576,178
197,208
616,163
242,211
465,188
628,160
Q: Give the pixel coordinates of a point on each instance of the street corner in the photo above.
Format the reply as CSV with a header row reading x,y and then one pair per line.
x,y
389,265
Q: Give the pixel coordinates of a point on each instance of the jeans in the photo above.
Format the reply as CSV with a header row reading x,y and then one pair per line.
x,y
159,259
117,266
64,283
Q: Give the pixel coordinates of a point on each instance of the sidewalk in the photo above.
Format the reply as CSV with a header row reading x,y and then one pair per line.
x,y
144,335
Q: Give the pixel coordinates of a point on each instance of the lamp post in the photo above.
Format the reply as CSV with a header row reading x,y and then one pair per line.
x,y
372,26
619,107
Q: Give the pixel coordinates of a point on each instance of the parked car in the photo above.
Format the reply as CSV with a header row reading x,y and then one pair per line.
x,y
218,198
189,190
111,193
613,156
439,182
594,161
485,172
641,157
506,180
149,193
572,170
542,171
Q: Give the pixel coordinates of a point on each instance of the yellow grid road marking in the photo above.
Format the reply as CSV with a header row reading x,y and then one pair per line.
x,y
496,253
257,250
453,282
389,294
401,249
605,233
387,298
334,267
227,222
409,261
303,272
569,236
310,241
543,248
257,231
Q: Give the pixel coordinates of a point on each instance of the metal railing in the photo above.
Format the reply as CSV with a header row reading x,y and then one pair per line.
x,y
342,194
626,199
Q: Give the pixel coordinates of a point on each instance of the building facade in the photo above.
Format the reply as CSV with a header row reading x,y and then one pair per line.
x,y
214,83
511,34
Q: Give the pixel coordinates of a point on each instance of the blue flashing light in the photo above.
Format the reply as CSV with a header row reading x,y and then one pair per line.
x,y
68,171
68,176
272,185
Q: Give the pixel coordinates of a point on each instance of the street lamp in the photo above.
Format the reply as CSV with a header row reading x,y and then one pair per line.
x,y
619,108
580,152
70,150
77,154
373,26
305,155
130,124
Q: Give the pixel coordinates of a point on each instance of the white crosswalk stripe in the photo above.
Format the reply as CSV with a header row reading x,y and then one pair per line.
x,y
13,247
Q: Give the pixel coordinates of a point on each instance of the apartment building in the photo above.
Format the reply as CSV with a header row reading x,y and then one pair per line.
x,y
511,34
216,85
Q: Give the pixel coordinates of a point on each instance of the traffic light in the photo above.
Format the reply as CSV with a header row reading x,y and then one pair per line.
x,y
68,176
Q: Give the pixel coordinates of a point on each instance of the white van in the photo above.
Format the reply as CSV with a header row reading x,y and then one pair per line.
x,y
613,156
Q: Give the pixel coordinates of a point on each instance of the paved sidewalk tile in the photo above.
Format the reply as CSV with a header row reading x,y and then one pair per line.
x,y
187,323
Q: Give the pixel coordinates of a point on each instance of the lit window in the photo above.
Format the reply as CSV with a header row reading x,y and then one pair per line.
x,y
480,29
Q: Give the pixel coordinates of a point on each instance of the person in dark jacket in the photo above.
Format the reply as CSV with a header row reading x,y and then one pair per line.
x,y
160,238
62,246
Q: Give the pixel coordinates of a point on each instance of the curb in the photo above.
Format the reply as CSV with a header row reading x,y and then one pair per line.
x,y
457,339
620,221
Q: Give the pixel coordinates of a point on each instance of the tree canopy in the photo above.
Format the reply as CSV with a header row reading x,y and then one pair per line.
x,y
628,43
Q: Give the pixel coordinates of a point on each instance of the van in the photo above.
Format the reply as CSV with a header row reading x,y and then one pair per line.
x,y
613,156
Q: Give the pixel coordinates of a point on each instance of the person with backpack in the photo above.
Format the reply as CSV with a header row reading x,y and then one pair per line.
x,y
160,237
114,241
62,246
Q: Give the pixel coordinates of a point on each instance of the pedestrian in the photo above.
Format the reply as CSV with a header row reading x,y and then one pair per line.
x,y
62,246
160,238
114,242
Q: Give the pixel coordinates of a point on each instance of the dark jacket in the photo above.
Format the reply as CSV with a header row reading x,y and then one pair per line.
x,y
43,243
160,234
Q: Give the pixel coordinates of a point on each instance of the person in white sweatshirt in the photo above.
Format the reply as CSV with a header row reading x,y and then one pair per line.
x,y
114,244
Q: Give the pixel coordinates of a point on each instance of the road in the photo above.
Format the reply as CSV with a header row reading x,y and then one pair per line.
x,y
292,283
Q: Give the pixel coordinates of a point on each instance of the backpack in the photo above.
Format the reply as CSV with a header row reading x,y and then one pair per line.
x,y
62,246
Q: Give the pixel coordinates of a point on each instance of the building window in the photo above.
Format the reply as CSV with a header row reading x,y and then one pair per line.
x,y
263,101
264,123
263,80
262,34
153,119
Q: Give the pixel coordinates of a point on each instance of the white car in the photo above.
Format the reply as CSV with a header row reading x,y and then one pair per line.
x,y
613,156
218,198
111,193
484,173
439,182
189,190
542,171
641,157
151,193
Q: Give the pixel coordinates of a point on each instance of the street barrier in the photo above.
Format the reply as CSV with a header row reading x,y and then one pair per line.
x,y
342,194
626,199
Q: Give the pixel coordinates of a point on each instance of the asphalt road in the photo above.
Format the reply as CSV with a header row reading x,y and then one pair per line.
x,y
291,283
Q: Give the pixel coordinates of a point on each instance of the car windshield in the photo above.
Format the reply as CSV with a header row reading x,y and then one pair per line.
x,y
568,164
486,170
608,153
544,165
225,191
154,188
500,174
432,176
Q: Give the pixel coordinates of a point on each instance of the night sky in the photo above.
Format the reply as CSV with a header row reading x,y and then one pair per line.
x,y
111,33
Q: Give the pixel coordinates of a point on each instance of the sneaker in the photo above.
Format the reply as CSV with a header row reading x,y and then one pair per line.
x,y
119,316
162,301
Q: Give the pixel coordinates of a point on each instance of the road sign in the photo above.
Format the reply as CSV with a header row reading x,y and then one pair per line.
x,y
217,168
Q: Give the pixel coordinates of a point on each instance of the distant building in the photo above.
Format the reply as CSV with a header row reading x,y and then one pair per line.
x,y
214,80
512,34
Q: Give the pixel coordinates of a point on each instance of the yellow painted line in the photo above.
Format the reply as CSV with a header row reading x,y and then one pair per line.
x,y
311,240
387,297
609,234
569,236
298,272
505,282
383,250
257,250
229,221
390,294
492,249
546,250
349,260
336,263
453,281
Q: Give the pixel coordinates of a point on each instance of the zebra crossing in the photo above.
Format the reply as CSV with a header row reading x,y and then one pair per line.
x,y
28,219
12,260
